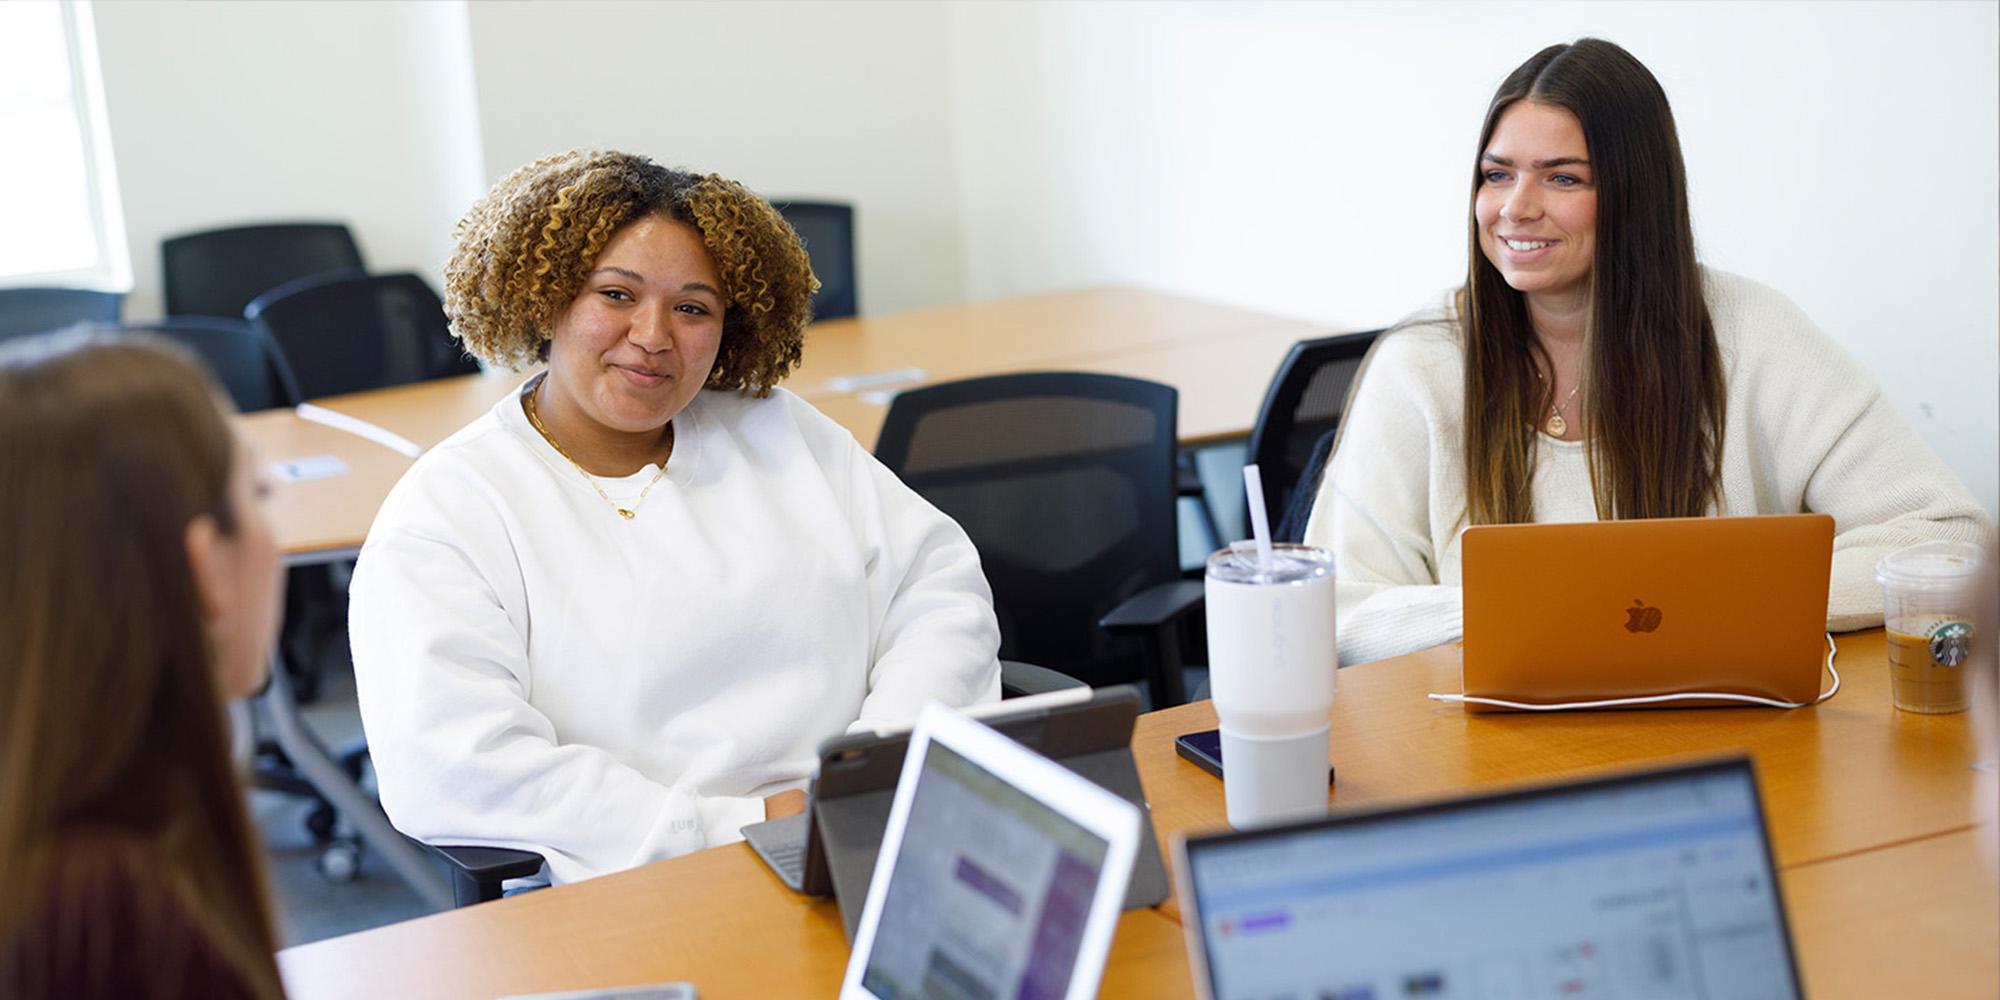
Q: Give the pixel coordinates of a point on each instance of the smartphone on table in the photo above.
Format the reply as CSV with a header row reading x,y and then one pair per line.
x,y
1204,750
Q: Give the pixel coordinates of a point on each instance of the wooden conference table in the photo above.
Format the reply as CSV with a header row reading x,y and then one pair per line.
x,y
1869,811
1220,358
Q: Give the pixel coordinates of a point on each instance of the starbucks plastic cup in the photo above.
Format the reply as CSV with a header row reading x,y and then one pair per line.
x,y
1271,667
1929,594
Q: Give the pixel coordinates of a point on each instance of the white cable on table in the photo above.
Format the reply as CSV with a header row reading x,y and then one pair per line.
x,y
1656,699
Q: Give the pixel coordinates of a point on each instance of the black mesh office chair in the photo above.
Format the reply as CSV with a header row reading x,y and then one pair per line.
x,y
348,331
1065,482
1302,406
827,229
238,354
25,311
218,272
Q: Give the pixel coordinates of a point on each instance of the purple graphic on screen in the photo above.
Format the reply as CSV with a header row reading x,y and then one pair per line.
x,y
1276,920
986,885
1052,957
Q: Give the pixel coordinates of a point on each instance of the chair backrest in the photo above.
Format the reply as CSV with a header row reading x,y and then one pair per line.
x,y
1065,483
239,355
346,332
1302,405
827,229
218,272
25,311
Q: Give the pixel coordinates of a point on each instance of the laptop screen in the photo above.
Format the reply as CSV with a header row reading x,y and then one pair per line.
x,y
989,893
1656,885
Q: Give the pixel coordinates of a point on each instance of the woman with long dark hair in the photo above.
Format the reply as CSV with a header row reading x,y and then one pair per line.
x,y
140,591
1589,368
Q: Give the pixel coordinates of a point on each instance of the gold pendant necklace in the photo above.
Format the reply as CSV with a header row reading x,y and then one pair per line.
x,y
628,513
1556,426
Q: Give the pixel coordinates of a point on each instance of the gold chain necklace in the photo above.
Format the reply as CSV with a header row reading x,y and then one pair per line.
x,y
628,513
1556,426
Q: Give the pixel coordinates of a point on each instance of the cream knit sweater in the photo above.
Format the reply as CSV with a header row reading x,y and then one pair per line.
x,y
1807,430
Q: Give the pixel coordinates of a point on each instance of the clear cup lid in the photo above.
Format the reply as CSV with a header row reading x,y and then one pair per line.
x,y
1290,563
1930,566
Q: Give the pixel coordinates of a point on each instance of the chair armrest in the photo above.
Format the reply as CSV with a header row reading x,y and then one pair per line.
x,y
477,872
1017,679
1156,614
1157,605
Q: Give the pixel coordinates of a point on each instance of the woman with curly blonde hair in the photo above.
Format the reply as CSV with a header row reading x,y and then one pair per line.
x,y
611,620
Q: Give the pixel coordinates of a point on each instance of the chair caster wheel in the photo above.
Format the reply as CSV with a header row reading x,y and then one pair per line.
x,y
320,823
340,861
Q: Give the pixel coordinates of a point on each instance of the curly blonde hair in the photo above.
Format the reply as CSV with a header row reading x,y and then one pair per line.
x,y
524,250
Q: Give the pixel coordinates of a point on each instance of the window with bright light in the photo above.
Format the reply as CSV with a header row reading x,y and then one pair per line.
x,y
58,193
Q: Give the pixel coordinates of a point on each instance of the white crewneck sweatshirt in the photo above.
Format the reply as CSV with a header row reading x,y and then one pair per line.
x,y
536,672
1806,430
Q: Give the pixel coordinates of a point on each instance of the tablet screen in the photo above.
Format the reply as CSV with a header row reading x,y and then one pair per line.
x,y
989,893
1660,887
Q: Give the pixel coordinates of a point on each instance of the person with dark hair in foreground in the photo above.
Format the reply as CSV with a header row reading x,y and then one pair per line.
x,y
141,591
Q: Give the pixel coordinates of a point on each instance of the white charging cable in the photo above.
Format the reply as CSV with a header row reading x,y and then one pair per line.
x,y
1655,699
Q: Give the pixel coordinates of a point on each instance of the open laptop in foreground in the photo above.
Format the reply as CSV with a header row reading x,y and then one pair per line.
x,y
1656,884
1567,613
830,849
1001,873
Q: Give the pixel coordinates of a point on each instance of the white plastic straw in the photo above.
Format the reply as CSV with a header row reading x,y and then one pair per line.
x,y
1260,523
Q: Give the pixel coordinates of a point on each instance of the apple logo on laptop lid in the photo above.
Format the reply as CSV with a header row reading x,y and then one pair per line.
x,y
1642,618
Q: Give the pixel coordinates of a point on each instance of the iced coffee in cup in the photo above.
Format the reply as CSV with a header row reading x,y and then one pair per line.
x,y
1929,596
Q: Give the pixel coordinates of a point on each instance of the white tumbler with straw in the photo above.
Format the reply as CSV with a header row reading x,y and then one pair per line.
x,y
1272,666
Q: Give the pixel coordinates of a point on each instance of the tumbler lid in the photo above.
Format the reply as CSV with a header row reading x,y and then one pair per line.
x,y
1290,563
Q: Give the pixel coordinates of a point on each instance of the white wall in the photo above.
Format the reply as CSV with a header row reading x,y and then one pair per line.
x,y
845,101
1314,160
1307,159
226,113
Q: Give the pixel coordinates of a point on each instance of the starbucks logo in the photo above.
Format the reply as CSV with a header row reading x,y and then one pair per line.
x,y
1951,643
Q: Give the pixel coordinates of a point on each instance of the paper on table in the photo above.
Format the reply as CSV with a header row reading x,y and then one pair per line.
x,y
657,991
869,380
299,470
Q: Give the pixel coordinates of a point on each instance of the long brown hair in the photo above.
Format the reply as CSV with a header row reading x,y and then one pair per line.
x,y
1654,413
110,716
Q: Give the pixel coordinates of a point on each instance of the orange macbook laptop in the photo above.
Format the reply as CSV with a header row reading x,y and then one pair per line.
x,y
1560,614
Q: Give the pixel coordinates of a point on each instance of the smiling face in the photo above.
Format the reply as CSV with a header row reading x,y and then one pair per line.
x,y
634,346
1537,202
